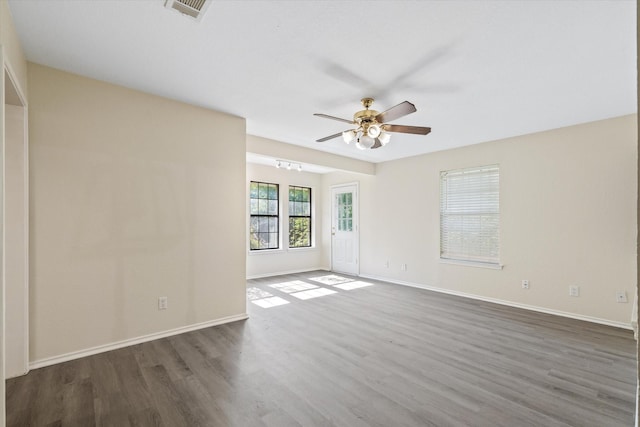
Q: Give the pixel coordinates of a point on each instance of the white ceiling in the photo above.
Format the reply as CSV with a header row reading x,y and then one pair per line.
x,y
476,70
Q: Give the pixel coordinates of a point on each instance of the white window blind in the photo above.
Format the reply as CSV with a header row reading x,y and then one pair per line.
x,y
470,214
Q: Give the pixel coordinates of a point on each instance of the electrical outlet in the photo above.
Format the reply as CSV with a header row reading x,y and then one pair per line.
x,y
621,296
162,303
574,291
403,267
386,264
525,284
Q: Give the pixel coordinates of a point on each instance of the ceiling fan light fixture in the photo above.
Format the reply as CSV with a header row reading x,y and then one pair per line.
x,y
384,138
373,131
348,135
365,142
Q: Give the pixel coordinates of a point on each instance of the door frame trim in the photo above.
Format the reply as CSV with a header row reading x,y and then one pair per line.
x,y
9,72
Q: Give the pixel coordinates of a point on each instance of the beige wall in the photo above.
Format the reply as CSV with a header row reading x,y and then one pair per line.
x,y
284,260
12,49
13,59
15,236
132,197
271,148
568,217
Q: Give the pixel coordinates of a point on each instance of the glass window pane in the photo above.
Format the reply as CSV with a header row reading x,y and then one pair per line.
x,y
349,226
263,206
254,241
263,191
263,240
299,207
273,192
299,232
273,240
263,224
264,209
273,207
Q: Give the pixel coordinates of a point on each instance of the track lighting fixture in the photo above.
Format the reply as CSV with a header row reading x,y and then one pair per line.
x,y
288,165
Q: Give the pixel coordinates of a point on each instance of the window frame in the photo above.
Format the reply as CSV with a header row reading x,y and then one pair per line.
x,y
268,215
476,203
310,216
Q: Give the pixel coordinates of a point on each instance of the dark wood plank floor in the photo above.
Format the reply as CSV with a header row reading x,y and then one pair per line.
x,y
380,355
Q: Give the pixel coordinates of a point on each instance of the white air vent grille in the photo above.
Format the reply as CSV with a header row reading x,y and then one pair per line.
x,y
193,8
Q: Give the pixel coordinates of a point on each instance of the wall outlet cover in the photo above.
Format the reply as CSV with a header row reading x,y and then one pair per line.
x,y
621,296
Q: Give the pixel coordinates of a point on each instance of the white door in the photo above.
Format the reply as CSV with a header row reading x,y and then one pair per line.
x,y
344,229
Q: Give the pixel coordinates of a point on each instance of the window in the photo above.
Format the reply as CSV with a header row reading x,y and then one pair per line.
x,y
470,214
299,217
264,228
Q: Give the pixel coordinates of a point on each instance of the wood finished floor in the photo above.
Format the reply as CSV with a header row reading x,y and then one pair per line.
x,y
380,355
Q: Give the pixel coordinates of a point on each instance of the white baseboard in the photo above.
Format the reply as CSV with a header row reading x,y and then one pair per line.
x,y
591,319
133,341
282,273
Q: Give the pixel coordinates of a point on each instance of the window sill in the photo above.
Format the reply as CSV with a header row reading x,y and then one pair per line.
x,y
281,251
472,264
265,252
309,249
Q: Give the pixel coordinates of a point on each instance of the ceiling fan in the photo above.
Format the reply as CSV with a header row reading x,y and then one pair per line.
x,y
372,130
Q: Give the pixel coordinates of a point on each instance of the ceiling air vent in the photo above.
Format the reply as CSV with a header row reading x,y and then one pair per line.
x,y
193,8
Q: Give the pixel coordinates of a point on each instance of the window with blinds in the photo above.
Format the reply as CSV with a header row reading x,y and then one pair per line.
x,y
470,214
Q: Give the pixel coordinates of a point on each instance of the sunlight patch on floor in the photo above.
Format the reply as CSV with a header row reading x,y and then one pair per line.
x,y
313,293
257,293
293,286
353,285
331,279
270,302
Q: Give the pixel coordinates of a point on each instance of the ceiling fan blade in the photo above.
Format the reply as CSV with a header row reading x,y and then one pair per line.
x,y
326,138
351,122
346,76
396,112
378,144
418,130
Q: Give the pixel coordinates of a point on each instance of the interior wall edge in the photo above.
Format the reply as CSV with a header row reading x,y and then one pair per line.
x,y
133,341
575,316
